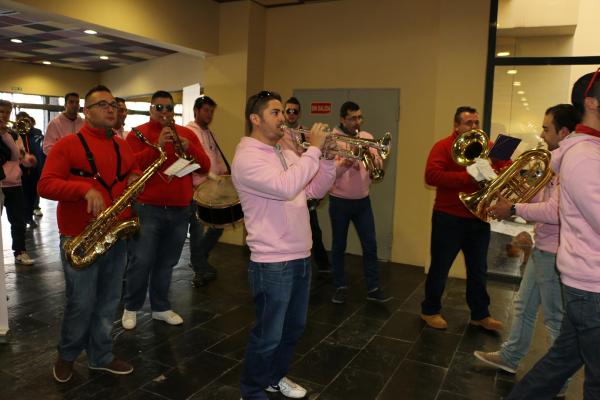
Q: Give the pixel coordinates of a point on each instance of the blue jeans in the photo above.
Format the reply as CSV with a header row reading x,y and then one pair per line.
x,y
449,235
281,292
201,243
540,285
153,252
577,344
341,212
93,294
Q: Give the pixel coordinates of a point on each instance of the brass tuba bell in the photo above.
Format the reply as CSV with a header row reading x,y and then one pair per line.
x,y
470,145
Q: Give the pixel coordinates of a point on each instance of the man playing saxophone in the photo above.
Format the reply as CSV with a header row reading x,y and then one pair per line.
x,y
85,172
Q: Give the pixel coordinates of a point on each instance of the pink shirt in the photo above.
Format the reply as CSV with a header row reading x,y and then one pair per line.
x,y
217,165
351,182
273,186
12,169
58,128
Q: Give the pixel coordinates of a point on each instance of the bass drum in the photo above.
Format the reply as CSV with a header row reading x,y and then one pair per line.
x,y
217,203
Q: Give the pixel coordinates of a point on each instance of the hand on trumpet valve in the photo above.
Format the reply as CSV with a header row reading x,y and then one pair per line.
x,y
318,135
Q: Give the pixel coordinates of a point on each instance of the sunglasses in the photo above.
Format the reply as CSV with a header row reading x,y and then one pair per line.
x,y
104,105
591,84
160,107
292,111
261,95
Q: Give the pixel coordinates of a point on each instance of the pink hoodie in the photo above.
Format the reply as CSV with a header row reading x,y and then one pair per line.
x,y
58,128
577,161
12,168
273,197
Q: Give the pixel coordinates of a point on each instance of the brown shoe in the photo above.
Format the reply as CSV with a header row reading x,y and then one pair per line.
x,y
62,370
435,321
488,323
116,366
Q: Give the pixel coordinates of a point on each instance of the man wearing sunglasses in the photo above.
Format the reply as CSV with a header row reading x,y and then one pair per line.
x,y
273,186
65,123
203,241
292,120
164,210
85,172
577,162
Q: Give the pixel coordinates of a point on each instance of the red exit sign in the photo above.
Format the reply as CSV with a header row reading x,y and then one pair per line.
x,y
320,108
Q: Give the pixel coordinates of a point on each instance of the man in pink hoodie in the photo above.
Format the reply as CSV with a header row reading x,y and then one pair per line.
x,y
66,123
273,186
540,285
577,162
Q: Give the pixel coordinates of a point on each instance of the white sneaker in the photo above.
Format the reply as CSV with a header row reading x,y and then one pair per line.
x,y
23,259
288,388
38,212
129,319
169,316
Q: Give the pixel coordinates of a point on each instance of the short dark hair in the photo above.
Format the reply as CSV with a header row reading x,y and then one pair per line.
x,y
348,106
6,103
461,110
71,94
119,100
95,89
257,103
294,100
202,100
579,91
22,114
161,94
564,116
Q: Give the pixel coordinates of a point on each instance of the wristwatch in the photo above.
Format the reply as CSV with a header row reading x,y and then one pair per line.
x,y
513,210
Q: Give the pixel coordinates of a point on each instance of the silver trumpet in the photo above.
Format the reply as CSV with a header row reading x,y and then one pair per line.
x,y
352,147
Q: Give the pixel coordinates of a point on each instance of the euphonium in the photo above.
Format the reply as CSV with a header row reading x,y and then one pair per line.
x,y
103,232
518,183
470,145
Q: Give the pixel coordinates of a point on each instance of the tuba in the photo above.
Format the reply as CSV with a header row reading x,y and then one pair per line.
x,y
470,145
103,232
527,175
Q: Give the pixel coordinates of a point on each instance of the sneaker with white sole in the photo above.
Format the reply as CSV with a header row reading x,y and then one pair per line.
x,y
38,212
288,388
495,360
129,319
23,259
169,316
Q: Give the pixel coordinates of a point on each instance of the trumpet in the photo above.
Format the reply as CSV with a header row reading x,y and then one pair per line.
x,y
357,148
177,144
21,126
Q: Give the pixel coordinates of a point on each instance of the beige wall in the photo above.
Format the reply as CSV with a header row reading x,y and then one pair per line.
x,y
44,80
433,51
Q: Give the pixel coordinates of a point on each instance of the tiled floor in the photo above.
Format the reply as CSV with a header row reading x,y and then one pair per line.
x,y
352,351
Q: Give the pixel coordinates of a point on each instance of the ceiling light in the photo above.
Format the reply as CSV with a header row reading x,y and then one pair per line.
x,y
516,83
104,57
521,92
503,54
16,40
90,32
525,104
46,62
512,72
523,98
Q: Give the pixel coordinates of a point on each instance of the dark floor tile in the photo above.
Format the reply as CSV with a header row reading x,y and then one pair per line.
x,y
217,391
381,356
232,321
233,346
414,381
314,333
353,384
403,325
444,395
434,347
472,379
356,331
323,363
477,338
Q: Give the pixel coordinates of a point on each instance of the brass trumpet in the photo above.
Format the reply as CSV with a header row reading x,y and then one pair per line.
x,y
177,144
357,148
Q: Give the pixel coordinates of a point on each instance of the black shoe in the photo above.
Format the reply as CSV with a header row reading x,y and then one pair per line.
x,y
378,296
324,268
339,297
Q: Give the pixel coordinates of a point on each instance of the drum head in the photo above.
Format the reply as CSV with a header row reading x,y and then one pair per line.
x,y
217,194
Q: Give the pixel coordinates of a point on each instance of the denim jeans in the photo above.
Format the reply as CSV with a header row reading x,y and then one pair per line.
x,y
152,254
540,285
93,294
281,292
201,243
577,344
449,235
341,212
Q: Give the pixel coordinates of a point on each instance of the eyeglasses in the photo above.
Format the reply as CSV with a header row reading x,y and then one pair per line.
x,y
160,107
292,111
355,118
261,95
104,105
591,84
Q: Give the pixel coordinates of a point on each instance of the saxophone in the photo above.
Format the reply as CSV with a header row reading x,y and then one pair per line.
x,y
103,232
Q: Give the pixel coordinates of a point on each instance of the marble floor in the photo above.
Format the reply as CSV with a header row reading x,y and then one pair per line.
x,y
357,350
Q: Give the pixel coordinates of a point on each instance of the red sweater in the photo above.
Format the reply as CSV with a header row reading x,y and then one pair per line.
x,y
59,183
161,190
450,178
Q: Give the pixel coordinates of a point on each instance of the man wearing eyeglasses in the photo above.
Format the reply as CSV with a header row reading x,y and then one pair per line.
x,y
121,115
203,241
292,120
85,172
164,210
273,185
577,162
349,202
65,123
